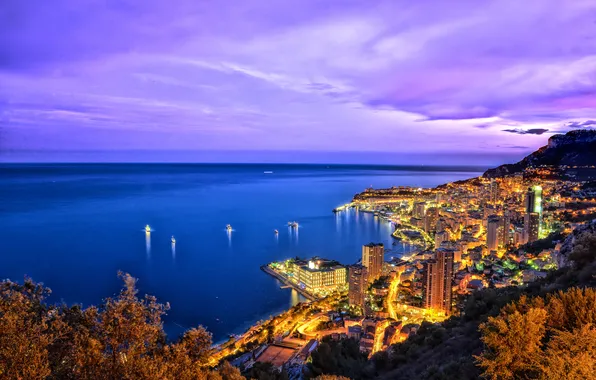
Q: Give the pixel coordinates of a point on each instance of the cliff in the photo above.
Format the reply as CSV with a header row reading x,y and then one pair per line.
x,y
575,148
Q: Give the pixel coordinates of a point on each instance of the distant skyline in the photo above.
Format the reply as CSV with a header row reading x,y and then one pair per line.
x,y
432,80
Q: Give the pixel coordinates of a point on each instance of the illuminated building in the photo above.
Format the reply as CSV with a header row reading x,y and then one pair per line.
x,y
533,200
441,237
436,281
430,220
533,205
492,241
372,258
419,209
531,227
319,274
357,284
493,189
504,230
417,222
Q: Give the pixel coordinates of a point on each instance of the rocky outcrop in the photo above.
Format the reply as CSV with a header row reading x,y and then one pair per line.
x,y
575,148
562,255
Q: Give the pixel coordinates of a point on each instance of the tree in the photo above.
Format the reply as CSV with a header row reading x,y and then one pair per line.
x,y
571,355
130,333
535,339
24,336
513,344
229,372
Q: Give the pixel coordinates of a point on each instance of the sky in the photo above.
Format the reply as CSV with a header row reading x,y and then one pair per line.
x,y
398,78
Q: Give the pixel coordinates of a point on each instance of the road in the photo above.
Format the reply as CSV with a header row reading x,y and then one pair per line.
x,y
392,295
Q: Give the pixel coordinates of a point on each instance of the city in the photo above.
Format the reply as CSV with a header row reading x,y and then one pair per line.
x,y
468,235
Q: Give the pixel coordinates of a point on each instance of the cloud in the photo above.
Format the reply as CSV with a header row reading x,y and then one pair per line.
x,y
400,75
531,131
579,124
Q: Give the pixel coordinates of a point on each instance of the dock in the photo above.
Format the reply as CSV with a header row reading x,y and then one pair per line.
x,y
286,283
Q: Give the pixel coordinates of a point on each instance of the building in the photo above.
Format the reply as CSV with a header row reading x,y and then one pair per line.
x,y
419,209
357,285
533,205
492,232
493,189
505,230
531,227
436,281
319,275
533,202
372,258
440,237
430,220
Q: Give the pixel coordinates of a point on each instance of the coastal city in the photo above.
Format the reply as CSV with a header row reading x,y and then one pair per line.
x,y
485,232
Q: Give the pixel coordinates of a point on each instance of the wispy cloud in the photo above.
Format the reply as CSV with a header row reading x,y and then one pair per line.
x,y
396,75
531,131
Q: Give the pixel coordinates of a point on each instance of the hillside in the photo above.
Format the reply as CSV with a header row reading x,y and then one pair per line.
x,y
449,350
575,148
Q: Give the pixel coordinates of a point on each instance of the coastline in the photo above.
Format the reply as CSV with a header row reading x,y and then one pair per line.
x,y
265,268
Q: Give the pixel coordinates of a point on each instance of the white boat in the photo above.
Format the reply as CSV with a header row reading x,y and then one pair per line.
x,y
173,240
293,224
229,228
147,228
276,232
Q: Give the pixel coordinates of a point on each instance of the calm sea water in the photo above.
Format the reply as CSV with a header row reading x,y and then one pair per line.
x,y
73,227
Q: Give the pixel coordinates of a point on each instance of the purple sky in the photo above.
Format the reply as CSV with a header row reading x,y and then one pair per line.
x,y
426,77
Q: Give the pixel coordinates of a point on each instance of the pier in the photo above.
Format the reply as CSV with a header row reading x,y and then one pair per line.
x,y
286,283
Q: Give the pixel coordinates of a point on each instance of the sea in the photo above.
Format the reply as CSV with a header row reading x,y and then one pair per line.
x,y
72,227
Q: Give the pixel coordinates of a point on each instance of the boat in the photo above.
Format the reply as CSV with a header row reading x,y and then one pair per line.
x,y
147,228
229,228
173,240
275,231
293,224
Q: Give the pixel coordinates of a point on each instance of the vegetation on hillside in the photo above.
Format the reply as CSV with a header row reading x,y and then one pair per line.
x,y
121,339
534,332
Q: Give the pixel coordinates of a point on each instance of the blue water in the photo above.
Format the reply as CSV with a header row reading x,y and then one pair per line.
x,y
73,227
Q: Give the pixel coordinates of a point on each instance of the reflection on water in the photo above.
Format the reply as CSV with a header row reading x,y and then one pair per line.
x,y
229,233
296,298
174,250
148,243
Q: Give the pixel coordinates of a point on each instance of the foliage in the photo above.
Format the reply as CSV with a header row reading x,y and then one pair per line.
x,y
542,338
542,244
341,357
122,339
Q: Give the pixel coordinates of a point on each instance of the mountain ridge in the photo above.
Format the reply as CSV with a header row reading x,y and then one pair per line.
x,y
574,148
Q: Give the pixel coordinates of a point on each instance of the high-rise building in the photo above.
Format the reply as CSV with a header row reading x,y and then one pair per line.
x,y
533,200
430,219
533,203
493,189
531,227
372,258
492,235
357,284
419,209
505,230
437,281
